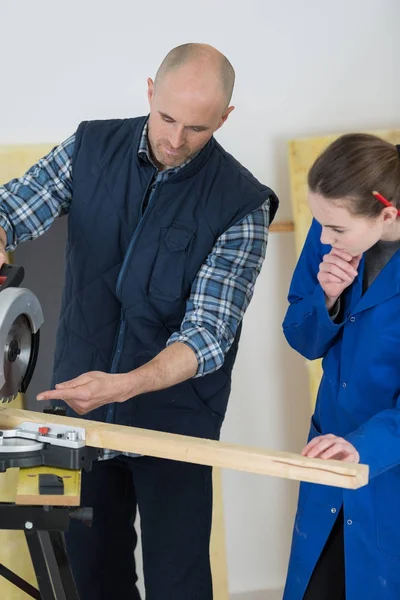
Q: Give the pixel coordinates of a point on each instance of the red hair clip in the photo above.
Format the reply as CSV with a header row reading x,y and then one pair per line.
x,y
385,202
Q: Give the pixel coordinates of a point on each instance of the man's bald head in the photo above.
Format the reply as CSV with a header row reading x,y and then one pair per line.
x,y
189,101
203,61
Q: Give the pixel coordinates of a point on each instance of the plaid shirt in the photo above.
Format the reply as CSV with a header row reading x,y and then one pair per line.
x,y
223,287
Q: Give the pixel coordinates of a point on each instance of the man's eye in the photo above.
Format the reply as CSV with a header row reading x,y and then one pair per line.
x,y
167,119
196,129
338,230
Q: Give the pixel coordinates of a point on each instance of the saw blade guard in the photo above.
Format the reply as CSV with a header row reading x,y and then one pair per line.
x,y
21,317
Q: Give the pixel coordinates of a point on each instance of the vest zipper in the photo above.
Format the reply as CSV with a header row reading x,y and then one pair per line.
x,y
110,416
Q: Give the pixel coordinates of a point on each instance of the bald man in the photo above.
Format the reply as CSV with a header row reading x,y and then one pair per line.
x,y
167,233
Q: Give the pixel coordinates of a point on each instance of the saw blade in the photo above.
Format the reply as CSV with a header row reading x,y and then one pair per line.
x,y
20,319
17,352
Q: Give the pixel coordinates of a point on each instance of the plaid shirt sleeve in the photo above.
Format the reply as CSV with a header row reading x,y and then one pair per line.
x,y
30,204
223,289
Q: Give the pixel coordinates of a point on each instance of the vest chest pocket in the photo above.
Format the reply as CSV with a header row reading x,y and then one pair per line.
x,y
166,280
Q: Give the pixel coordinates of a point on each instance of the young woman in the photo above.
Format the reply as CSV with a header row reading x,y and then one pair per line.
x,y
345,307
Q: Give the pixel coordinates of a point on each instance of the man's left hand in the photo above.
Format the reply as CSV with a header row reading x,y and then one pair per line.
x,y
91,390
331,446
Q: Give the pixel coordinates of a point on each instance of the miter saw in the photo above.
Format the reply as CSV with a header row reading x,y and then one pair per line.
x,y
31,444
48,455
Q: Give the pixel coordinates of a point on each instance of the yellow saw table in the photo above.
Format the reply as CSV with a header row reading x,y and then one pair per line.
x,y
20,487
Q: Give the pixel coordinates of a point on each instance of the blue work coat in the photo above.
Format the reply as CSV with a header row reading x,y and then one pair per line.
x,y
358,399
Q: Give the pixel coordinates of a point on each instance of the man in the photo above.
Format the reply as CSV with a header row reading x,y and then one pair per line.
x,y
167,234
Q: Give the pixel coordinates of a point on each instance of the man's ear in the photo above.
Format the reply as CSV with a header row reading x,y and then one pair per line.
x,y
150,90
225,116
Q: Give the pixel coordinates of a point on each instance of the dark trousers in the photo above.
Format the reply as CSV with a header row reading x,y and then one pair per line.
x,y
175,506
328,579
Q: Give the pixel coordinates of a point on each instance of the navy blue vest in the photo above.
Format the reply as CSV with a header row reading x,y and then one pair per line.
x,y
128,276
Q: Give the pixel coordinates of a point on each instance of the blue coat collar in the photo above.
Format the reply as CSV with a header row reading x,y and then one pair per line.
x,y
385,286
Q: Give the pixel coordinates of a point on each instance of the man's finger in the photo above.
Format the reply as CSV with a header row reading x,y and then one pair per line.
x,y
72,383
76,393
49,395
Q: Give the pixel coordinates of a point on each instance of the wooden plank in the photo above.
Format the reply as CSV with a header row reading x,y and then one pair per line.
x,y
219,566
28,487
282,227
16,159
202,451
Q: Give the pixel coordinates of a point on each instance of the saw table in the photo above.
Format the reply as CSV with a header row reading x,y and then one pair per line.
x,y
44,461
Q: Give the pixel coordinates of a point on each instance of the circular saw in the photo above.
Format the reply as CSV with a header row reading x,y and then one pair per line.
x,y
20,320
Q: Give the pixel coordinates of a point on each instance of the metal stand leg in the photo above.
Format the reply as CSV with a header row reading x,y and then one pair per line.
x,y
60,553
51,566
35,543
44,528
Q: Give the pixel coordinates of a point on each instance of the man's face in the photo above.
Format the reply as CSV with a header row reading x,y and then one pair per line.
x,y
183,116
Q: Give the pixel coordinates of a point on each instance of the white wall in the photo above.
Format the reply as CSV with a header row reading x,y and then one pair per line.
x,y
303,68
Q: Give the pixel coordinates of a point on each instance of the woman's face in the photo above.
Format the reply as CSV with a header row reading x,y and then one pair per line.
x,y
345,231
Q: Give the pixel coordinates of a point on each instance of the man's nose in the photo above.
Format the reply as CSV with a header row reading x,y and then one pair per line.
x,y
176,139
